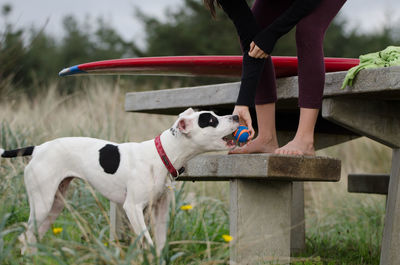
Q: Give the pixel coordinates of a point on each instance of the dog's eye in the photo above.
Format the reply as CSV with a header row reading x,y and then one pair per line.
x,y
207,120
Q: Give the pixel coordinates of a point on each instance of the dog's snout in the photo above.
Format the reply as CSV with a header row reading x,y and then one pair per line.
x,y
235,118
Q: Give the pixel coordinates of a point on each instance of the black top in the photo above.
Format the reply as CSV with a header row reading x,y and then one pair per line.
x,y
248,31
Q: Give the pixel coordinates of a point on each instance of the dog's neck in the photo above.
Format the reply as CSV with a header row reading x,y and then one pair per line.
x,y
178,147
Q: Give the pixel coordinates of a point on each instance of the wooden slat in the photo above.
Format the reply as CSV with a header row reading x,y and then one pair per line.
x,y
263,167
368,183
382,83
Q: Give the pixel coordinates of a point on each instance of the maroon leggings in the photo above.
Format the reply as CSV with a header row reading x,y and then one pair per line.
x,y
310,32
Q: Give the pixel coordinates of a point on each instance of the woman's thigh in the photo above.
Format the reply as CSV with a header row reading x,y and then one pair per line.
x,y
319,19
266,11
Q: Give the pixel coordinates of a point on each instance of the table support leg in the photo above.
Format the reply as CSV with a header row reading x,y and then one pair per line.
x,y
390,254
298,232
260,221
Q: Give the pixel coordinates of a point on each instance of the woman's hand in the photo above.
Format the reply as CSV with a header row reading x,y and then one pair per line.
x,y
244,118
256,52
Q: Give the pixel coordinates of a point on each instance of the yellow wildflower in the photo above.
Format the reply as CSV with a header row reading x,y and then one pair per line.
x,y
106,244
186,207
57,230
227,238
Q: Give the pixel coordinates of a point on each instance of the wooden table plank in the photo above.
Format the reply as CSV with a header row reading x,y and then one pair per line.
x,y
269,167
381,83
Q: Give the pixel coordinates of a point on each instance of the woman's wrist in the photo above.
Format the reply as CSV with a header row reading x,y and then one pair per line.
x,y
241,106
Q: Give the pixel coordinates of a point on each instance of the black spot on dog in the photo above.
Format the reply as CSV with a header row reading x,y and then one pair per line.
x,y
173,131
109,158
207,119
26,151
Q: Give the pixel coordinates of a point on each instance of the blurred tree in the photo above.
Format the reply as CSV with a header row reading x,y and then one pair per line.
x,y
340,43
109,44
189,30
41,61
12,51
76,45
83,43
31,59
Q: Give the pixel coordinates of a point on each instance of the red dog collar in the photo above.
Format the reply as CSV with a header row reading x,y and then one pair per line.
x,y
164,158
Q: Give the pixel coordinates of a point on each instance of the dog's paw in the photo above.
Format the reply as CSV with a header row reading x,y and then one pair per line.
x,y
22,240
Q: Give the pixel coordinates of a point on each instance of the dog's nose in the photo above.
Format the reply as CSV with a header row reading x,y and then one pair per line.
x,y
235,118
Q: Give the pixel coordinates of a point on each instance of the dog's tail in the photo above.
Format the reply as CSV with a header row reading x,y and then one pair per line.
x,y
26,151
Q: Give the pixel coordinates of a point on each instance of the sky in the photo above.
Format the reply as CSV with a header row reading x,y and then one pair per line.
x,y
365,15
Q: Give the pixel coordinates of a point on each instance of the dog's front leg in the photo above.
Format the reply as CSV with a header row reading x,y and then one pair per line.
x,y
160,218
134,211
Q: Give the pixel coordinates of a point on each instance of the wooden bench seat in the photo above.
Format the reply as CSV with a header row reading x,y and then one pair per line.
x,y
368,183
263,201
268,167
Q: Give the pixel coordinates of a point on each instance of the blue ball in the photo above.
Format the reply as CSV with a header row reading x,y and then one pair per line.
x,y
241,134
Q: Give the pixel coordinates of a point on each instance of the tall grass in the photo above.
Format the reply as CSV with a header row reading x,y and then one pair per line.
x,y
342,228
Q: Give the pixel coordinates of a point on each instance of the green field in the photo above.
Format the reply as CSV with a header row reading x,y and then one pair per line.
x,y
341,228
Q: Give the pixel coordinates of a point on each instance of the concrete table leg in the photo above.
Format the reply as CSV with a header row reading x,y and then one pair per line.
x,y
298,231
260,221
390,254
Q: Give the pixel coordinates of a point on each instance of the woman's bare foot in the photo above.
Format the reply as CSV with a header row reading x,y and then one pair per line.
x,y
297,147
258,145
303,142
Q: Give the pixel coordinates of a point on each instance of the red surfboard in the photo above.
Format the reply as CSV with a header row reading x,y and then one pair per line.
x,y
219,66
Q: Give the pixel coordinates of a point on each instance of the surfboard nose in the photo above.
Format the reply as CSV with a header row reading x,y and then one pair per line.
x,y
63,72
70,71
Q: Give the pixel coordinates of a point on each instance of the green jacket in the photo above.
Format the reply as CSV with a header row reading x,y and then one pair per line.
x,y
388,57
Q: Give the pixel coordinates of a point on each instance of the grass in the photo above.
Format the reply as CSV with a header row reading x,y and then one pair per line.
x,y
341,228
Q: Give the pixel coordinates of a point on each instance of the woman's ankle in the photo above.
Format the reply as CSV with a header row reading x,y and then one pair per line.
x,y
306,138
267,139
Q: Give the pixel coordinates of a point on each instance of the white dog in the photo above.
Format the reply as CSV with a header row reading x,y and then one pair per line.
x,y
132,174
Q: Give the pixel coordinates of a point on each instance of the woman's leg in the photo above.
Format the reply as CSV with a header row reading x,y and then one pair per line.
x,y
265,12
303,142
310,32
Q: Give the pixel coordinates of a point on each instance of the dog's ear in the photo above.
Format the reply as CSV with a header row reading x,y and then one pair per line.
x,y
185,125
189,111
